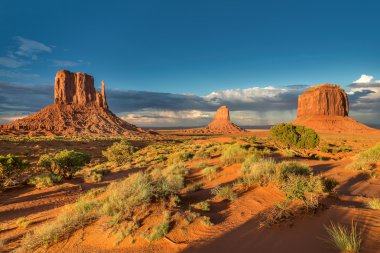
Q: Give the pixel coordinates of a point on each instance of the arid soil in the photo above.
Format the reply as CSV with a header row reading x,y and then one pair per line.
x,y
236,223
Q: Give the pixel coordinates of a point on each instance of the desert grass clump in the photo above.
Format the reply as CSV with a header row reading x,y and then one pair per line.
x,y
256,169
224,193
209,173
297,187
206,221
120,153
366,159
202,206
160,230
169,180
374,204
45,180
71,218
233,153
343,238
22,222
286,168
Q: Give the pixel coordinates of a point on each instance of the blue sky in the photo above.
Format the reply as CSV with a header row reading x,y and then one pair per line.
x,y
190,47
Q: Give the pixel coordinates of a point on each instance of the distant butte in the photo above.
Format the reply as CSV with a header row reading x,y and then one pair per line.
x,y
78,109
220,125
325,108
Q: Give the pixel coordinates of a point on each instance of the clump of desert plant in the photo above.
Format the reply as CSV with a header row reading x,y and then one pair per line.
x,y
286,168
71,218
256,169
64,163
180,157
224,192
251,139
22,222
160,230
209,172
297,138
202,154
202,206
366,159
329,184
207,221
190,216
374,203
120,152
296,187
195,187
169,180
95,175
45,180
343,238
10,168
233,153
280,212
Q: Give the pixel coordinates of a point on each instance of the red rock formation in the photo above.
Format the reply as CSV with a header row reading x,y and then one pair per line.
x,y
220,125
325,108
78,109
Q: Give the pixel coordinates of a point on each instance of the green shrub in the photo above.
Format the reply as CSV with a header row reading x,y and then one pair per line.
x,y
343,238
207,221
64,163
286,168
120,153
203,206
296,187
10,168
160,230
45,180
209,172
202,154
234,153
180,157
374,204
296,137
169,180
225,192
256,169
329,184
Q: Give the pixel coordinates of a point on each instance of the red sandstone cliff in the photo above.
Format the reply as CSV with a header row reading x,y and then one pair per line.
x,y
325,108
78,109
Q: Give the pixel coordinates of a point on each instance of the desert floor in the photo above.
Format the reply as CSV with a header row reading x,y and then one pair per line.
x,y
236,223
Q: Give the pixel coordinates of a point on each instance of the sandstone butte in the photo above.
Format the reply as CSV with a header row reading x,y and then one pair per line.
x,y
78,109
325,108
221,124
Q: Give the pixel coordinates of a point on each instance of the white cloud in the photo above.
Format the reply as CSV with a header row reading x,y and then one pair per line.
x,y
31,48
366,79
12,62
65,63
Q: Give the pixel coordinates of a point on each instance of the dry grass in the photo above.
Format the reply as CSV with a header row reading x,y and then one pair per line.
x,y
343,238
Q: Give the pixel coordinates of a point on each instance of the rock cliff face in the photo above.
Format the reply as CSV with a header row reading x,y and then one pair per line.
x,y
325,108
78,109
220,125
326,99
78,89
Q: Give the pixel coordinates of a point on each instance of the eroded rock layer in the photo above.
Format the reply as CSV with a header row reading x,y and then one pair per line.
x,y
220,125
78,109
325,108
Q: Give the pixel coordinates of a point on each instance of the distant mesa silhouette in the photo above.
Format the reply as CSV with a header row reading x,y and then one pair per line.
x,y
221,124
78,109
325,108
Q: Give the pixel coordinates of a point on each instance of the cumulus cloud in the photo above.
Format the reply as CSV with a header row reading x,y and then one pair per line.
x,y
366,79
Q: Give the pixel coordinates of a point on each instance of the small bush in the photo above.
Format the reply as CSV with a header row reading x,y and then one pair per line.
x,y
234,153
343,238
159,231
296,137
284,169
10,168
64,163
225,192
296,187
374,204
22,222
203,206
329,184
120,153
366,159
202,154
207,221
45,180
209,172
256,169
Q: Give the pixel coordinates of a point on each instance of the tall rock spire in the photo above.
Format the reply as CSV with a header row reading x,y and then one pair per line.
x,y
103,93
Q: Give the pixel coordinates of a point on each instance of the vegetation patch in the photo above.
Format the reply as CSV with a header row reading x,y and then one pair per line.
x,y
343,238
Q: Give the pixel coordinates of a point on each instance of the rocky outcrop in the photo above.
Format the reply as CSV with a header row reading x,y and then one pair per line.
x,y
78,89
220,125
325,108
78,109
